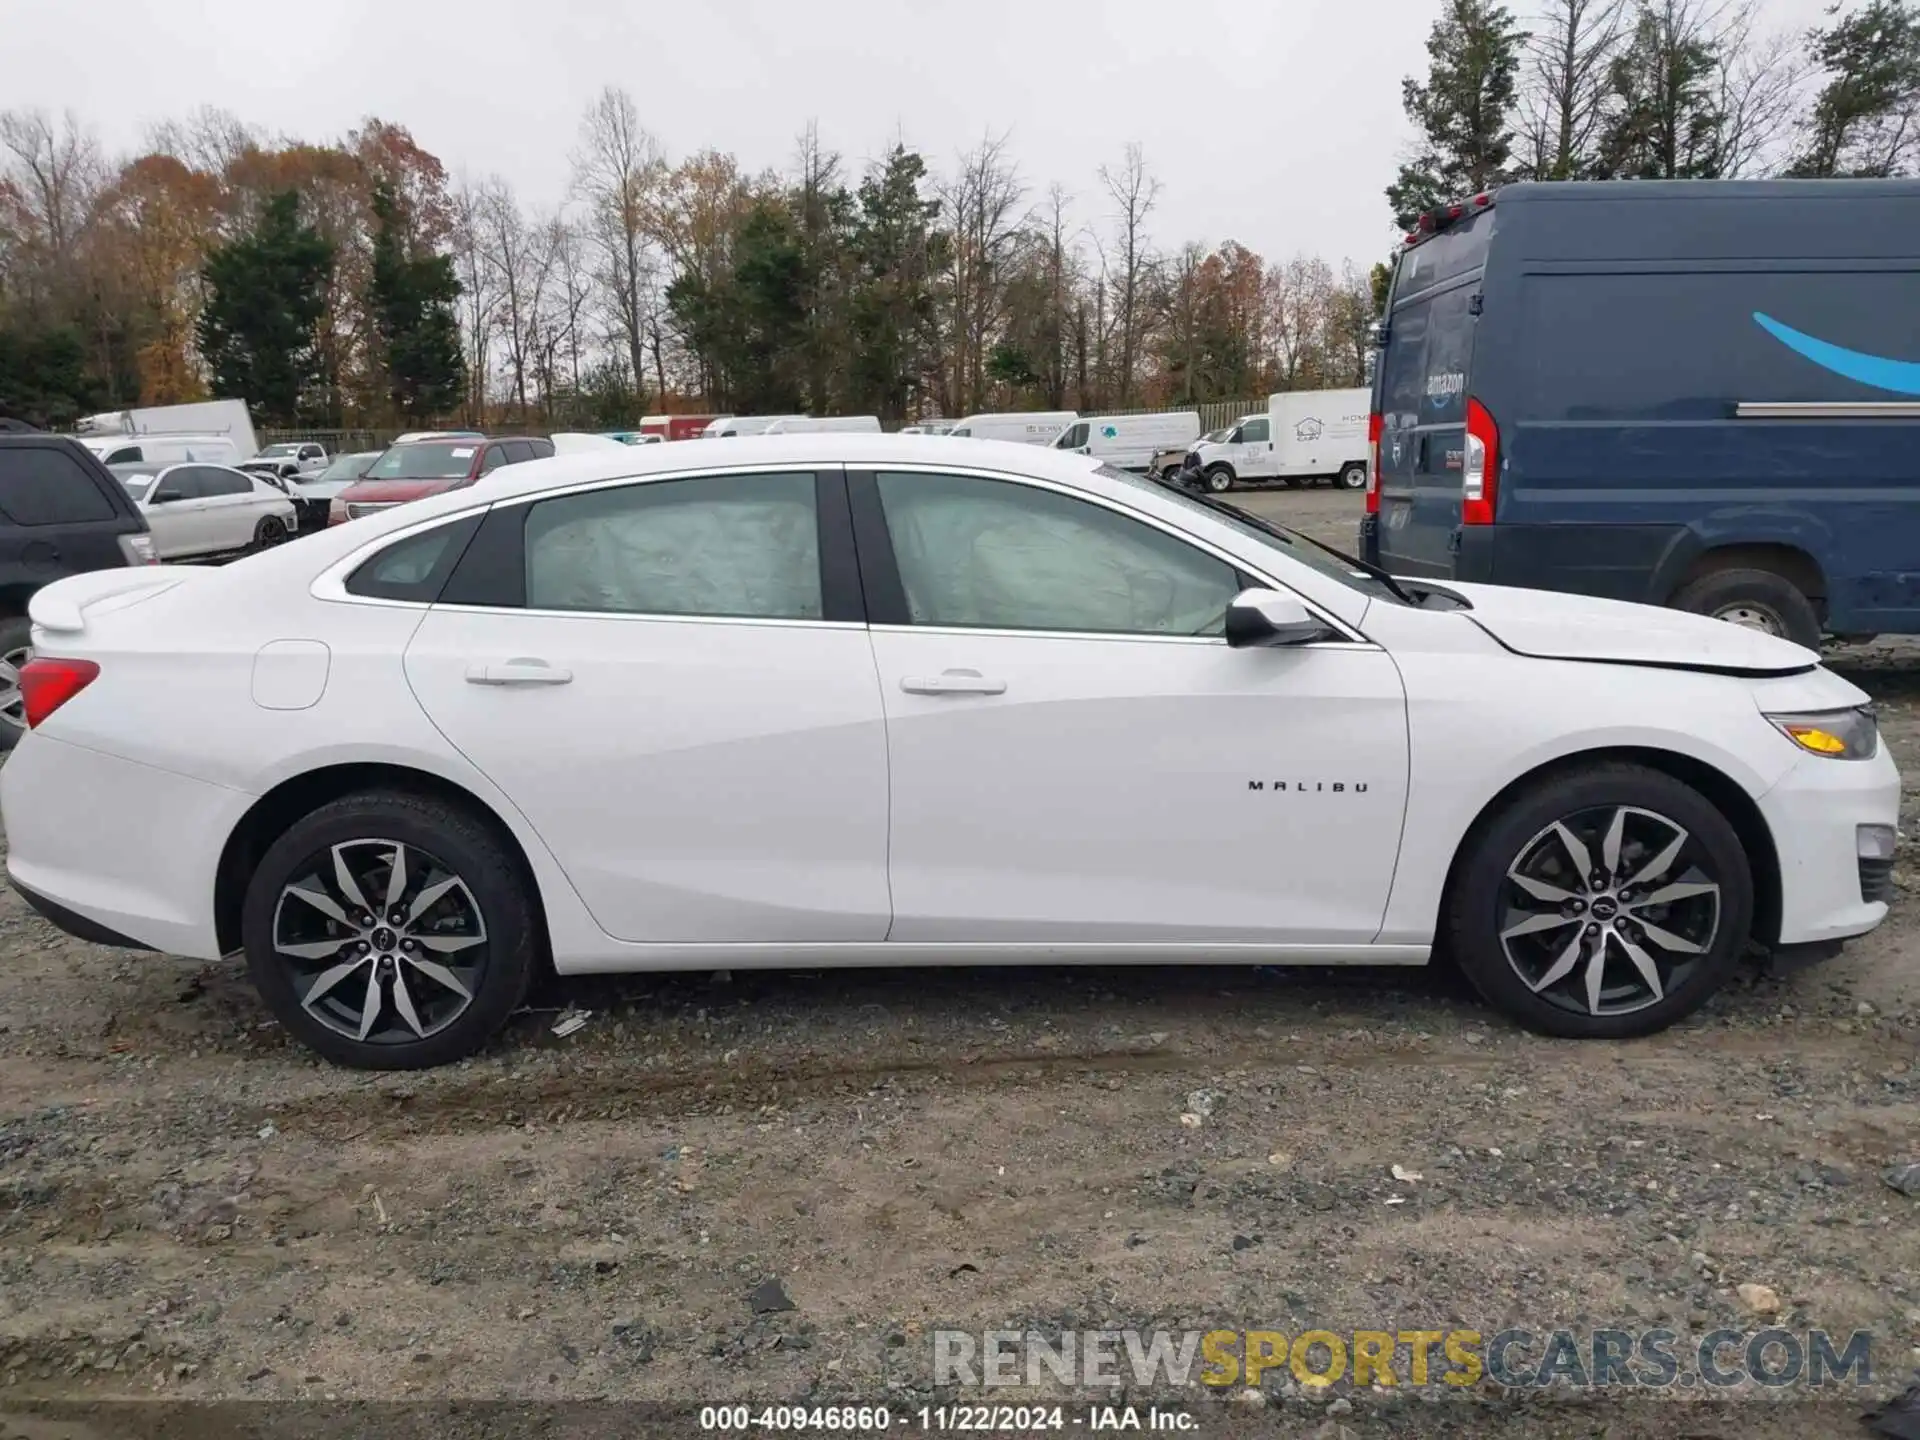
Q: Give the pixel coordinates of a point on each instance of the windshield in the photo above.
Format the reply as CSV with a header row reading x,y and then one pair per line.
x,y
348,467
278,452
1314,554
1214,437
428,460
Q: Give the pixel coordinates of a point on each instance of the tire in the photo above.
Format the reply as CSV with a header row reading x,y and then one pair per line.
x,y
1760,598
487,902
1220,479
271,531
1522,975
1354,477
16,648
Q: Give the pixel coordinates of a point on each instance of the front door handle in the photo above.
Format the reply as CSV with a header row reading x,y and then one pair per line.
x,y
953,682
519,671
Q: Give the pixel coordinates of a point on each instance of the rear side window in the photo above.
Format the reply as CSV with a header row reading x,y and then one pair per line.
x,y
1449,348
417,567
215,481
45,485
542,449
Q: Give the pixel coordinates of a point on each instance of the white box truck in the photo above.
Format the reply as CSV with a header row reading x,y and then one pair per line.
x,y
1304,437
217,431
1031,427
1131,441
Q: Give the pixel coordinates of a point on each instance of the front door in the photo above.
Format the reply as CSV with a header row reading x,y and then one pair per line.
x,y
1077,756
1256,449
665,680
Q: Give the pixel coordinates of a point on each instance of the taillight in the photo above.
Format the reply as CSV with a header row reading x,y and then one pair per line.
x,y
1375,424
46,684
1480,466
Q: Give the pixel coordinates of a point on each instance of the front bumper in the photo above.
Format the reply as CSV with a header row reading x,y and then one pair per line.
x,y
1828,892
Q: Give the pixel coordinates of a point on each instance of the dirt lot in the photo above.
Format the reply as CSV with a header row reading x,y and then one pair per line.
x,y
191,1208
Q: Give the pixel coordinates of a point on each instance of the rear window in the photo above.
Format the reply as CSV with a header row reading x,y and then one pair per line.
x,y
1443,379
1448,255
428,460
45,485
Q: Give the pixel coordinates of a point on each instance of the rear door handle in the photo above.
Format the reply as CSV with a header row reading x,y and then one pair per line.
x,y
953,682
519,671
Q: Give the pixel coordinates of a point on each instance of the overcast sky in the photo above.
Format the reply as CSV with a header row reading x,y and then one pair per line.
x,y
1276,125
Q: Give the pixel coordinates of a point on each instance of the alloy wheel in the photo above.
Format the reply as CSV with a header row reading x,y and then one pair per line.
x,y
385,943
1607,910
13,706
272,532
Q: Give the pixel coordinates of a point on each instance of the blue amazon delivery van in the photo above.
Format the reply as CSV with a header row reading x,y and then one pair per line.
x,y
1703,394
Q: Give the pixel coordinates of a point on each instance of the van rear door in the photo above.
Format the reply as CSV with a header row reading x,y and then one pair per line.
x,y
1424,375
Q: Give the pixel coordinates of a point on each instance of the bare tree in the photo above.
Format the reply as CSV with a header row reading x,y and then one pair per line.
x,y
1762,80
517,254
616,170
209,140
562,331
1563,92
1300,295
1134,193
479,297
982,206
55,171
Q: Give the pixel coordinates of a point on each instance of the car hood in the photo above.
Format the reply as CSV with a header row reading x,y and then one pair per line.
x,y
1552,626
393,492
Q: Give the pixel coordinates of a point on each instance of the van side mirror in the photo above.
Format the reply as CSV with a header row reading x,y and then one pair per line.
x,y
1377,334
1258,618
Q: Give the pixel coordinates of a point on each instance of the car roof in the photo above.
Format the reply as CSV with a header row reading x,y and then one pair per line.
x,y
850,448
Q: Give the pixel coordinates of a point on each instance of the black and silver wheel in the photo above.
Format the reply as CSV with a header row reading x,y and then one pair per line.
x,y
1757,599
16,649
1603,903
1354,477
1219,479
271,531
389,931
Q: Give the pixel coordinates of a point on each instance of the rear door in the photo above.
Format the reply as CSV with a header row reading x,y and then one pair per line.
x,y
1424,380
55,517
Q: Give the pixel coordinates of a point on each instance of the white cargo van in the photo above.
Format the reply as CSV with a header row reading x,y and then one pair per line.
x,y
1130,441
743,425
824,425
1028,427
219,432
1305,436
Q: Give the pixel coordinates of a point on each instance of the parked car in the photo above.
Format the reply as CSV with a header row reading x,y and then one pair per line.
x,y
61,513
1023,427
294,458
633,437
202,511
1302,437
1168,464
1703,396
1129,442
1594,805
313,495
413,469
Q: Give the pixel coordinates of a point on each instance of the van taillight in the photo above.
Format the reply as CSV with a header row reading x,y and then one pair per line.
x,y
47,684
1480,467
1375,424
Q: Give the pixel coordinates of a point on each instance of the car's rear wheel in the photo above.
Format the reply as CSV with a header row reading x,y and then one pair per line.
x,y
1601,903
1354,477
1758,599
16,649
390,931
271,531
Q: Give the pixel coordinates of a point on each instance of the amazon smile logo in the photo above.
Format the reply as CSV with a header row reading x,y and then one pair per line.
x,y
1882,372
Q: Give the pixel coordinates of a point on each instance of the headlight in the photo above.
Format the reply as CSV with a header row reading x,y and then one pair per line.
x,y
1836,734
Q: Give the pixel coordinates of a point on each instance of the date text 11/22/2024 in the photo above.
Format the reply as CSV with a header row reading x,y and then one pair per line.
x,y
959,1419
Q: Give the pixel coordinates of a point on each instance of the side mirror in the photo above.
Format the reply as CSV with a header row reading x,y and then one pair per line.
x,y
1268,618
1377,335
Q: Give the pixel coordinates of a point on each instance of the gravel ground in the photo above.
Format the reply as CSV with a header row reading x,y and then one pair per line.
x,y
190,1208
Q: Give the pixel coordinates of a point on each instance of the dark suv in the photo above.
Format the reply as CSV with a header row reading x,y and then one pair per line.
x,y
61,513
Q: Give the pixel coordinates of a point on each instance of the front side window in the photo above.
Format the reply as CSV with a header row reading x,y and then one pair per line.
x,y
1000,555
1072,438
125,455
1256,432
740,546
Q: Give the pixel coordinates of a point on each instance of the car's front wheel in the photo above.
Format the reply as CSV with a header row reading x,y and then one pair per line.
x,y
1219,479
390,931
1601,903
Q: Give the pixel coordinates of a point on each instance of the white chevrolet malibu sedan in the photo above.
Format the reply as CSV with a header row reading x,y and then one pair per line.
x,y
863,700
